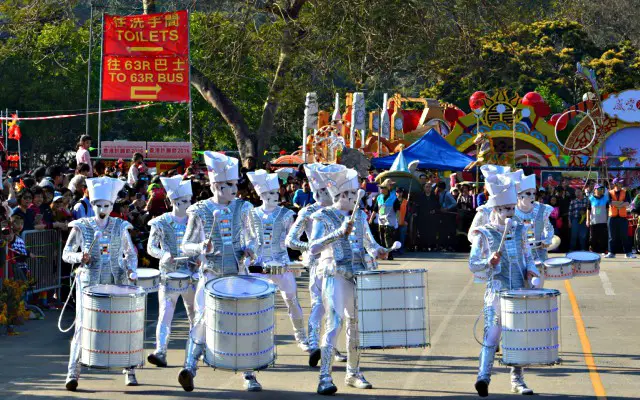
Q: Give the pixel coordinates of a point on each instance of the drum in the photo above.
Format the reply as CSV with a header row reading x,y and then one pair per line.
x,y
113,326
148,279
274,268
585,263
392,309
240,323
558,268
177,282
530,327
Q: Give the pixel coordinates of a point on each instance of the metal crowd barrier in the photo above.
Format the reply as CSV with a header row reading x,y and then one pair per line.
x,y
46,268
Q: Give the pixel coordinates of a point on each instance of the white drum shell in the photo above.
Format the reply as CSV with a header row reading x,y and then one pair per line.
x,y
392,309
240,331
113,326
148,279
530,327
585,263
178,282
558,269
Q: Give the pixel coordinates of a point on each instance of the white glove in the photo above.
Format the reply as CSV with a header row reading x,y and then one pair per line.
x,y
166,259
205,245
133,275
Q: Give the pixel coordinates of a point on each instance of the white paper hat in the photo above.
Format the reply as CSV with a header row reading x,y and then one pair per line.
x,y
527,182
104,188
221,168
176,187
263,181
339,178
315,179
502,191
491,170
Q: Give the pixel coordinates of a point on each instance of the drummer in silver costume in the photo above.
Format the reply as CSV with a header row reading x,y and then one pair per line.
x,y
165,239
219,232
534,215
303,224
271,223
111,261
505,269
341,247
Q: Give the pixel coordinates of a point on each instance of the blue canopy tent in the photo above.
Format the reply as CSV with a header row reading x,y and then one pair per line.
x,y
432,151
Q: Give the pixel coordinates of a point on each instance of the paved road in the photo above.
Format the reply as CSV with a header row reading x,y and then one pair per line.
x,y
34,363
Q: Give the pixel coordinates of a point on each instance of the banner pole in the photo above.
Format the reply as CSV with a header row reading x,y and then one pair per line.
x,y
89,67
6,128
100,90
189,83
19,152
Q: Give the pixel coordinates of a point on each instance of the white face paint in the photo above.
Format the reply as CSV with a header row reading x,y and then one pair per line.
x,y
346,200
323,197
180,206
270,199
102,209
504,212
224,192
526,199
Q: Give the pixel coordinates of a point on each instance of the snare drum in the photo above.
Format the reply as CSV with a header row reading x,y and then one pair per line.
x,y
530,327
113,326
177,282
392,309
585,263
558,268
148,279
240,323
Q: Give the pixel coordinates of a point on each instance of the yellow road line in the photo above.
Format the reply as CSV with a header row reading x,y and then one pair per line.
x,y
598,388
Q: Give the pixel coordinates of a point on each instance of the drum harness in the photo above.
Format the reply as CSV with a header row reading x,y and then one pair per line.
x,y
509,226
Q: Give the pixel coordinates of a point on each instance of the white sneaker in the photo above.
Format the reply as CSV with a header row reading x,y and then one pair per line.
x,y
630,255
610,255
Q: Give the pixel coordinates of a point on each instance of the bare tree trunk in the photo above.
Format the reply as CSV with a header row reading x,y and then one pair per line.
x,y
149,6
245,140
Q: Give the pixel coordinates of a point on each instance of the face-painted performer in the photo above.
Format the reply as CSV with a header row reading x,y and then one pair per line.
x,y
504,268
271,223
165,239
341,246
111,261
219,232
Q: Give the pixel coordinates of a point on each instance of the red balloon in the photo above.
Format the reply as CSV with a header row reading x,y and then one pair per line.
x,y
542,109
451,115
477,100
561,120
531,99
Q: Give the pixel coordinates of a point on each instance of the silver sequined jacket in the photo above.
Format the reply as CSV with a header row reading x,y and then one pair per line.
x,y
166,237
270,231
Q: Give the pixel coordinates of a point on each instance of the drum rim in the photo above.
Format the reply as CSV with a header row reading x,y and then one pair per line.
x,y
169,276
568,261
140,292
596,256
154,274
388,271
505,294
270,291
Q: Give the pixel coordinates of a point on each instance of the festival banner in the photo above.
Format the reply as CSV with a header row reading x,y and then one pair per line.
x,y
169,150
146,57
123,149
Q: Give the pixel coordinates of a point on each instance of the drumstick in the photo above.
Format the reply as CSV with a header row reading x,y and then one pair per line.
x,y
361,194
216,214
507,223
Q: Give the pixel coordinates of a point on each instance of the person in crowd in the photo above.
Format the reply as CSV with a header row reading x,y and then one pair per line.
x,y
554,217
578,221
598,219
99,168
18,254
61,216
481,198
566,186
54,176
76,186
403,217
157,204
304,196
428,206
618,223
465,207
83,169
82,155
448,212
371,175
25,198
83,209
45,208
137,166
386,207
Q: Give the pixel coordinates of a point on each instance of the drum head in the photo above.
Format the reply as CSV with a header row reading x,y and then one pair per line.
x,y
398,271
529,293
557,261
177,275
146,273
584,256
239,287
114,291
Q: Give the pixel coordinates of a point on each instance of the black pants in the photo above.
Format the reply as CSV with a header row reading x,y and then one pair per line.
x,y
599,238
388,235
618,235
427,230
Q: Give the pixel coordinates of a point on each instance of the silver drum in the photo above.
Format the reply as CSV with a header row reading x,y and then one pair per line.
x,y
178,282
113,326
148,279
558,268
